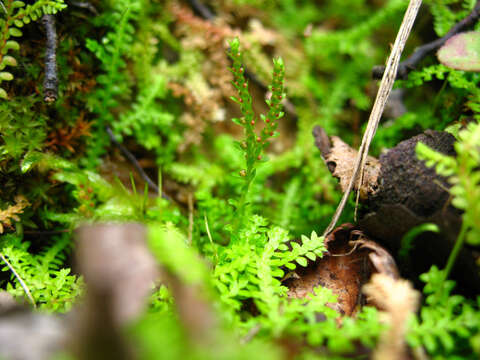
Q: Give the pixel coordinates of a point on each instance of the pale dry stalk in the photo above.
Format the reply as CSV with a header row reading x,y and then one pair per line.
x,y
382,96
399,301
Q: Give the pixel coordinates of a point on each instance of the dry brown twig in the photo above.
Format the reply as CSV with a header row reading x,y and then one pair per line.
x,y
399,301
382,96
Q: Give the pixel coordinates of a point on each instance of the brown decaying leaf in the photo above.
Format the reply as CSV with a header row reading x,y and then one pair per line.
x,y
120,272
398,300
343,156
380,258
195,311
350,261
11,212
340,159
68,137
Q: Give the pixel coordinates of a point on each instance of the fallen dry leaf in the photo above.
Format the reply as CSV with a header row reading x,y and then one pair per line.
x,y
12,212
348,265
380,258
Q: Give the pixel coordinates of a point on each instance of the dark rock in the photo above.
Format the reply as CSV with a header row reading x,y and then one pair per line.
x,y
404,179
406,194
410,194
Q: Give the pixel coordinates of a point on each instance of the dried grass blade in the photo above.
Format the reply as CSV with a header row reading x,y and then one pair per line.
x,y
22,283
382,96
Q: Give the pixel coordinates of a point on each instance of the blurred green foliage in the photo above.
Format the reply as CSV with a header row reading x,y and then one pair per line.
x,y
159,77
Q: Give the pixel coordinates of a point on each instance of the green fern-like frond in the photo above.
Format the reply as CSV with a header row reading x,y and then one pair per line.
x,y
242,262
444,17
447,323
463,174
52,287
23,130
113,83
150,123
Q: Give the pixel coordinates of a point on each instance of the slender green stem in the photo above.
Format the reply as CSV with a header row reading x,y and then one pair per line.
x,y
456,250
436,101
451,259
240,213
253,143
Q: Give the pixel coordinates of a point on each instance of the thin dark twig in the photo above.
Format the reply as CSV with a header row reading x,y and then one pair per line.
x,y
201,9
84,5
50,83
45,232
134,162
412,61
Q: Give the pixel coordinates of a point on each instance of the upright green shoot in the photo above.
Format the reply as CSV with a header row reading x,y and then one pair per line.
x,y
254,144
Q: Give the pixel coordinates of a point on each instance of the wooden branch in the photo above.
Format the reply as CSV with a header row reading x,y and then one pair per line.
x,y
45,232
50,83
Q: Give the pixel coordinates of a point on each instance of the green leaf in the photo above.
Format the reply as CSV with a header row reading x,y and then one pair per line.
x,y
30,159
12,44
15,32
8,60
302,261
295,246
237,121
6,76
290,266
18,4
461,52
3,94
278,273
